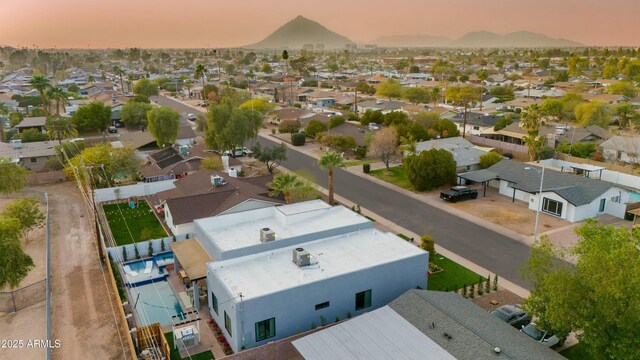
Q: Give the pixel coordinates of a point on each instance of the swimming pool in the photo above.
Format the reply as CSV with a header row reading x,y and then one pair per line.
x,y
142,272
156,303
164,259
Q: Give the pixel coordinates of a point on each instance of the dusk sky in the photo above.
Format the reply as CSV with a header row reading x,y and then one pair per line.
x,y
226,23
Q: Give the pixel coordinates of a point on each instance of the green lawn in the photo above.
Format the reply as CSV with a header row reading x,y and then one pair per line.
x,y
133,225
359,162
453,276
575,352
175,354
395,175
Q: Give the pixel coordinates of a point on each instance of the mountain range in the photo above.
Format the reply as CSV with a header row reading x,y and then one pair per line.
x,y
302,31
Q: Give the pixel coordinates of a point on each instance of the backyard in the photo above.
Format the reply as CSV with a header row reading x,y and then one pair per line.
x,y
175,354
394,175
133,225
452,277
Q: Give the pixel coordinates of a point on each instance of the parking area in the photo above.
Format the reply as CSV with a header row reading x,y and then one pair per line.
x,y
514,216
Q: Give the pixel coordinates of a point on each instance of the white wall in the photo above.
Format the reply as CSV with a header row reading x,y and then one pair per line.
x,y
505,190
140,189
615,177
578,213
143,247
294,309
567,208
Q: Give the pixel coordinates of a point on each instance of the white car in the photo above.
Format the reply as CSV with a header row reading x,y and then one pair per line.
x,y
239,151
191,117
543,337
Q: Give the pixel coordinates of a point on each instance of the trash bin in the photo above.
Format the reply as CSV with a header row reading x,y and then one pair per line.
x,y
628,216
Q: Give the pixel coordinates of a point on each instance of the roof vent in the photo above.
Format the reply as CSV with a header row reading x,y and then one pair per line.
x,y
497,350
267,235
301,257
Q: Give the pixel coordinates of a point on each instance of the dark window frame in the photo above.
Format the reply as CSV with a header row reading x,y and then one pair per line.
x,y
323,305
269,329
227,324
362,300
214,302
546,202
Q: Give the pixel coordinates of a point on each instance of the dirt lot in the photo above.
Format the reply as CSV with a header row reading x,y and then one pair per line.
x,y
502,297
82,314
515,216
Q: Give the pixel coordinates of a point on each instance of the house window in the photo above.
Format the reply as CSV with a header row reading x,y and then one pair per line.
x,y
265,329
363,299
227,323
34,160
552,207
322,305
603,202
476,128
616,199
214,302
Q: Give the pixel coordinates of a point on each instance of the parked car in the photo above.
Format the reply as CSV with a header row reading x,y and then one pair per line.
x,y
191,117
543,337
512,315
113,130
457,193
239,151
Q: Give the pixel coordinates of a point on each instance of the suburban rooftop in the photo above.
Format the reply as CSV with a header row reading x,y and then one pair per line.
x,y
274,271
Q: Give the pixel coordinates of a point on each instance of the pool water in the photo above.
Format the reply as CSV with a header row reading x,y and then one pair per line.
x,y
156,303
139,266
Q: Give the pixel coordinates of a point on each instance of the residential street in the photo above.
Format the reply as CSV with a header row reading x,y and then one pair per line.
x,y
489,249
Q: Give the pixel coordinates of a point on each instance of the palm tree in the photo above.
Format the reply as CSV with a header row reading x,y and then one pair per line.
x,y
130,82
91,79
284,184
285,57
41,84
200,72
59,96
329,161
59,128
531,120
118,71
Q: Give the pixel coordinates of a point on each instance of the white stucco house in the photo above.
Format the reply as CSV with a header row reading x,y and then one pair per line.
x,y
564,195
622,148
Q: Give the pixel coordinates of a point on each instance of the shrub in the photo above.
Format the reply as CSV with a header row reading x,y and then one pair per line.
x,y
430,169
289,126
480,287
315,127
472,291
162,245
361,152
487,284
124,253
150,250
366,168
546,153
495,283
273,131
343,142
427,244
336,121
298,139
323,321
135,249
489,159
464,291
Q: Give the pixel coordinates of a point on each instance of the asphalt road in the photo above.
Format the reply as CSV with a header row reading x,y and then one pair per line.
x,y
489,249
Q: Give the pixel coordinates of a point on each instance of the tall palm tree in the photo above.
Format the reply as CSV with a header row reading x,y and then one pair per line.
x,y
41,84
130,82
91,79
531,121
59,128
329,161
284,184
200,72
118,71
58,95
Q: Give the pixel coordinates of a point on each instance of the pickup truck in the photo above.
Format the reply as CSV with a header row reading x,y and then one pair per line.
x,y
459,193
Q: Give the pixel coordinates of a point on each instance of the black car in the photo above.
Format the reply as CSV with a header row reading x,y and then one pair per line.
x,y
459,193
512,315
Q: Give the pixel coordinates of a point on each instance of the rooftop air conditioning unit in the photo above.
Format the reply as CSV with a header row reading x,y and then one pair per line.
x,y
301,257
16,144
267,235
217,180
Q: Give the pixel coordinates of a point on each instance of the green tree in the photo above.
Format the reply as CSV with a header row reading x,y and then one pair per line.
x,y
552,107
464,96
134,113
329,161
581,149
428,244
60,128
365,88
502,123
145,87
41,84
27,211
503,93
260,105
430,169
201,72
94,115
14,263
445,128
315,127
116,164
435,95
372,117
58,95
624,111
389,89
597,297
625,88
13,177
31,135
569,103
119,72
266,68
417,95
284,184
213,162
593,113
271,156
163,124
489,159
336,121
229,127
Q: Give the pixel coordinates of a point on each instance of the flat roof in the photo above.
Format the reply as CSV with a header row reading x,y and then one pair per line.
x,y
378,335
274,271
587,167
192,257
240,230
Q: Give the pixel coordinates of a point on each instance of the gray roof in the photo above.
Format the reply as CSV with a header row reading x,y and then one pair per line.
x,y
477,119
479,176
464,152
629,144
474,332
28,150
578,190
381,334
32,122
384,105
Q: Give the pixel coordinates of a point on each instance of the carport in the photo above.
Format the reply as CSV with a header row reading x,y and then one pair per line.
x,y
481,177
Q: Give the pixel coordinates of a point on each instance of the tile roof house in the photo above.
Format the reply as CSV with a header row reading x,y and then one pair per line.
x,y
564,195
198,196
422,324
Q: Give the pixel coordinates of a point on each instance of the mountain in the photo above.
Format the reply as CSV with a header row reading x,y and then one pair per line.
x,y
412,41
301,31
516,39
